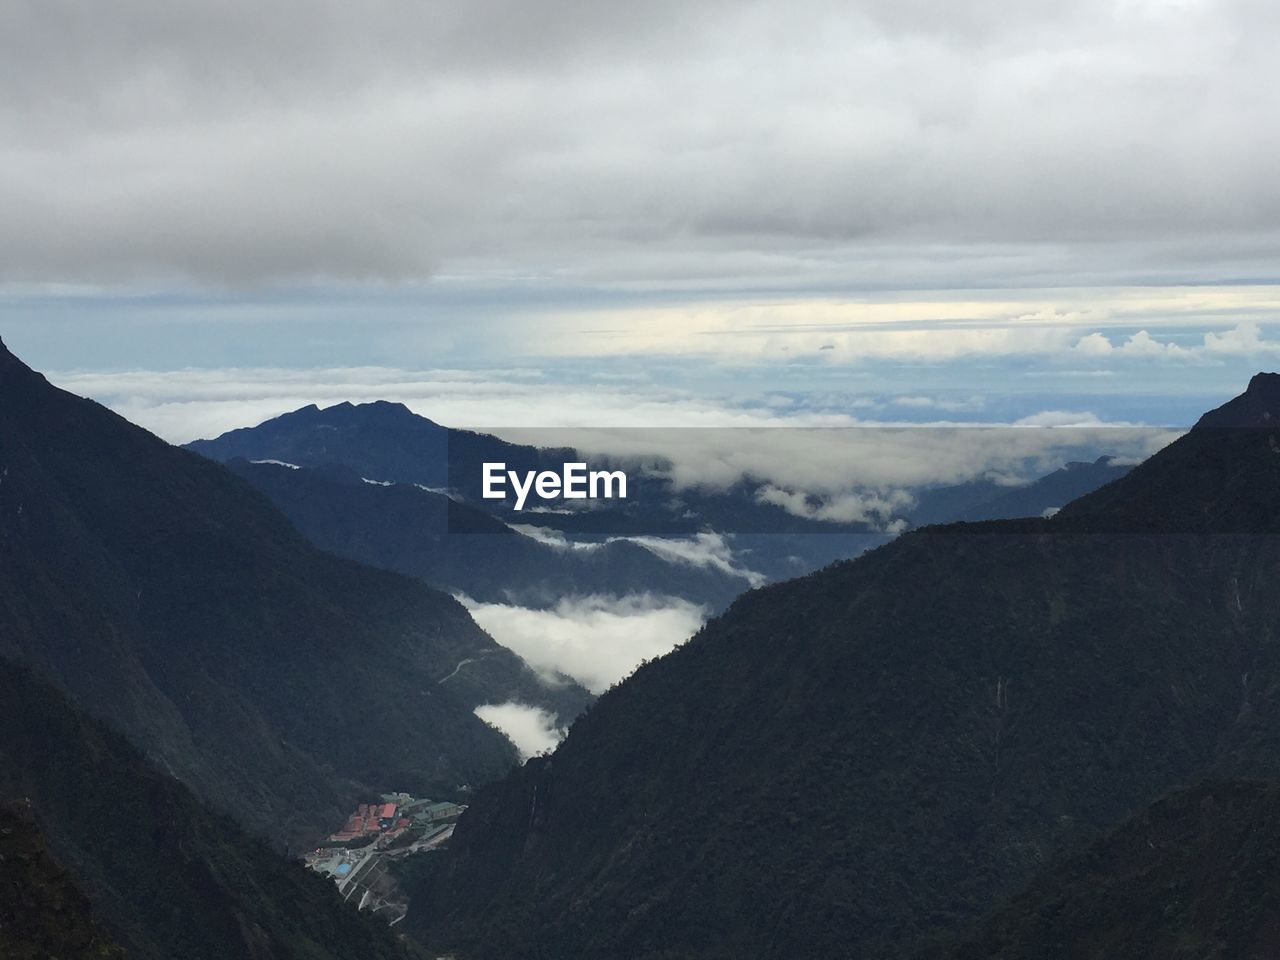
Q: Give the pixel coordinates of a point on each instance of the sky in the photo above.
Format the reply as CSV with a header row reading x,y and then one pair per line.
x,y
913,207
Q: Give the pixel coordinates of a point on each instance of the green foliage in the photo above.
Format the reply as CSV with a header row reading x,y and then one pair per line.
x,y
42,912
168,875
1196,876
163,593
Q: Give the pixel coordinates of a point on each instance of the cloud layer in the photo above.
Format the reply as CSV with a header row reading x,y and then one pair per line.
x,y
595,640
645,143
532,729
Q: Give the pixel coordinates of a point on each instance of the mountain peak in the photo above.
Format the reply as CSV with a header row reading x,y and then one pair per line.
x,y
13,371
1258,406
1217,478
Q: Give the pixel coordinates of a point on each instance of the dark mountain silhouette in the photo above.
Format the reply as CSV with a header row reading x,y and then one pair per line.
x,y
166,876
382,441
849,763
986,499
166,595
1196,874
42,912
1050,492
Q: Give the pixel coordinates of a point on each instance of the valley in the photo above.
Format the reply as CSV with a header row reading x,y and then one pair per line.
x,y
887,761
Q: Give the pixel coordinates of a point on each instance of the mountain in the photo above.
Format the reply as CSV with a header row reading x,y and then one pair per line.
x,y
1197,874
454,546
1048,493
849,763
309,462
1210,481
382,441
386,442
42,912
166,876
167,596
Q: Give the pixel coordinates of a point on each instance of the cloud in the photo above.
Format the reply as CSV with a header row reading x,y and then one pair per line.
x,y
553,538
858,469
820,457
1095,344
701,550
1244,339
877,510
595,640
182,405
240,144
532,729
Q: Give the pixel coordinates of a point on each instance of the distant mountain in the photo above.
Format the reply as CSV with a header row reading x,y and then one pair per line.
x,y
386,442
1049,493
381,440
849,763
1207,482
405,529
457,547
167,596
1196,874
987,499
167,877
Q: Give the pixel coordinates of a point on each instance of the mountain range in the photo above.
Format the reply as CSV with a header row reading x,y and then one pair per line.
x,y
1052,736
1195,874
454,545
168,597
419,511
140,861
850,763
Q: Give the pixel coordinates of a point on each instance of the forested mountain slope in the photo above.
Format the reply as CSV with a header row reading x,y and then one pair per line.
x,y
844,764
42,912
170,878
166,595
457,547
1195,875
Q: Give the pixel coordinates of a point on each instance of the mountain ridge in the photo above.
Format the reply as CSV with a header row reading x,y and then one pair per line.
x,y
878,750
163,873
168,596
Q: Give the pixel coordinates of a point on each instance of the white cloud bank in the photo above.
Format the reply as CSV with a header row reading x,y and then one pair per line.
x,y
595,640
834,461
1244,339
532,729
709,550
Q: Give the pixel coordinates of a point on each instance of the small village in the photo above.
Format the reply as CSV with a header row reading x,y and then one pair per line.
x,y
357,856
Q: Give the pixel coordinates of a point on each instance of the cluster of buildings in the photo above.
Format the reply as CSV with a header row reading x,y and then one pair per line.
x,y
396,826
395,814
371,818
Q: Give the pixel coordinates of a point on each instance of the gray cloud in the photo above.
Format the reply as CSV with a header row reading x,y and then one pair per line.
x,y
643,143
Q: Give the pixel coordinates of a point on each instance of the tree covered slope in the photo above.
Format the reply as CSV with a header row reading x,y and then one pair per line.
x,y
42,912
165,594
842,765
1193,876
169,877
